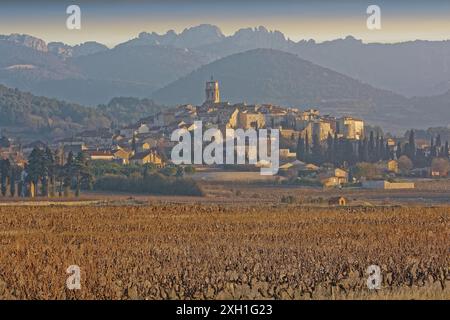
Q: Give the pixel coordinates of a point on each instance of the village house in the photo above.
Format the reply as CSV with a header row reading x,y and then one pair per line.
x,y
276,118
145,157
72,145
122,156
300,169
142,129
289,134
249,119
351,128
321,129
329,182
142,146
390,166
104,155
333,177
332,121
310,115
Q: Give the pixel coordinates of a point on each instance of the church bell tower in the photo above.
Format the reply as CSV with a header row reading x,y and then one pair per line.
x,y
212,92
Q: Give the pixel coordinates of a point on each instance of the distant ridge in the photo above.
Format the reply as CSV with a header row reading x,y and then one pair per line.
x,y
273,76
91,73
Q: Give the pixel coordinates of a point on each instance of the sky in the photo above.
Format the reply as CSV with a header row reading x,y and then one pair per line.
x,y
115,21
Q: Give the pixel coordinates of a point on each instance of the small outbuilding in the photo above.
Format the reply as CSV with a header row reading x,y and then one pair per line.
x,y
337,201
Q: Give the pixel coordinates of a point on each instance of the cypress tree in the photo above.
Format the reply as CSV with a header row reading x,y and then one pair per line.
x,y
371,146
438,141
68,173
307,147
411,146
399,151
365,155
5,167
433,151
446,150
301,149
36,165
330,146
377,155
316,152
12,182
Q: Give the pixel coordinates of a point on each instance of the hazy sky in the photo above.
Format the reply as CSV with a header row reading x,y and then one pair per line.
x,y
115,21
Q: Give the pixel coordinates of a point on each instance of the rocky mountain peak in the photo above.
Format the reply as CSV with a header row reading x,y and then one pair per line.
x,y
27,41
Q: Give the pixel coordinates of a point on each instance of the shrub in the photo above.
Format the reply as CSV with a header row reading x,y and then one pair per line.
x,y
405,164
365,169
440,165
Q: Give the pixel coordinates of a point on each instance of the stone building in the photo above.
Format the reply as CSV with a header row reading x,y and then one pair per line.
x,y
248,119
351,128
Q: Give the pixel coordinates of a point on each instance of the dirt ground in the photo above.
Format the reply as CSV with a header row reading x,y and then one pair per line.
x,y
223,251
426,193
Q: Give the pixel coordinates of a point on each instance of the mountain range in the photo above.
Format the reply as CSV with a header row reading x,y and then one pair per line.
x,y
386,82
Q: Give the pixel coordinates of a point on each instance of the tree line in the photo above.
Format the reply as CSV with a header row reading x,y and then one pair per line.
x,y
344,152
46,174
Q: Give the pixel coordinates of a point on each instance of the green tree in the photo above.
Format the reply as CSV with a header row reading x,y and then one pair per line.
x,y
330,149
440,165
366,170
301,149
49,170
411,150
12,181
35,167
316,151
371,147
307,148
446,150
67,173
399,151
5,167
405,164
81,172
348,153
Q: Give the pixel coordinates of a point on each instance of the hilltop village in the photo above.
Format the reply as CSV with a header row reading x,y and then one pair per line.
x,y
315,149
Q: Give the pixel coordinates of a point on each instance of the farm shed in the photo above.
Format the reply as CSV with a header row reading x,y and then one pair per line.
x,y
337,201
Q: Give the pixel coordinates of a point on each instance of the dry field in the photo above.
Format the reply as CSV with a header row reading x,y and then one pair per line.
x,y
213,251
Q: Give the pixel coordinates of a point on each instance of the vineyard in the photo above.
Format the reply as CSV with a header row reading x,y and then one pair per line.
x,y
189,251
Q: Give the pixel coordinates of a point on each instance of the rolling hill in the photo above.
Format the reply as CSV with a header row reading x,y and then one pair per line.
x,y
272,76
31,116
